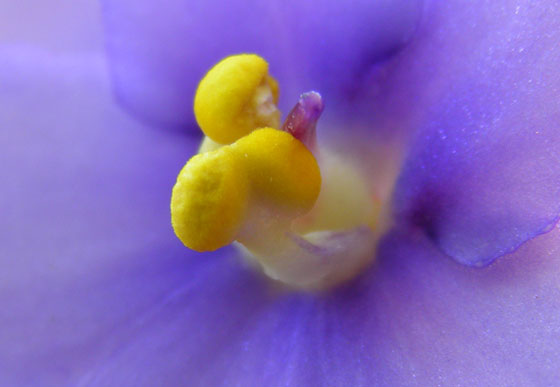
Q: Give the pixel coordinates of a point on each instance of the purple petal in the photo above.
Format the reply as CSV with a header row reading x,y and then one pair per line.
x,y
52,24
159,51
86,246
421,319
415,318
481,84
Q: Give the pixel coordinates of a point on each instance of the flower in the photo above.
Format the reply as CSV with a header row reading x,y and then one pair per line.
x,y
96,290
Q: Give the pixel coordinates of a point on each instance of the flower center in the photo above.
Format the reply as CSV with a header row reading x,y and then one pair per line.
x,y
305,215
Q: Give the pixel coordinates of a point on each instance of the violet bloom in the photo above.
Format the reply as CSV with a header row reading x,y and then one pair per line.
x,y
96,289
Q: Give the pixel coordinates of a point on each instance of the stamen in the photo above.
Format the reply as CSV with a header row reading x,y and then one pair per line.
x,y
302,119
207,210
262,188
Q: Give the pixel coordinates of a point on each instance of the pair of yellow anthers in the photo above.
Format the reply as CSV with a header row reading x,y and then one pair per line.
x,y
240,168
252,182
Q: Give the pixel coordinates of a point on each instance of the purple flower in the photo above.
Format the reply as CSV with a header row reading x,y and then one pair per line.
x,y
96,290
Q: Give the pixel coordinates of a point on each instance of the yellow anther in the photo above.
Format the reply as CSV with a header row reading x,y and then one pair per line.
x,y
216,190
236,96
209,200
282,171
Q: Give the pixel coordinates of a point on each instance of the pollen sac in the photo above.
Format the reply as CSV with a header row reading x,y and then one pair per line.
x,y
236,96
209,200
268,171
283,173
